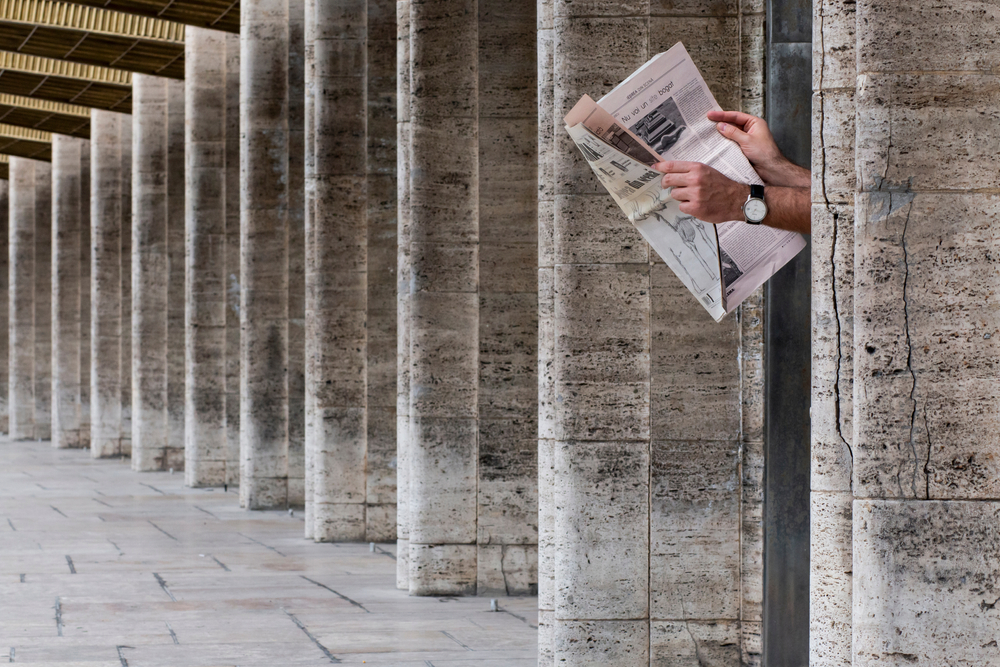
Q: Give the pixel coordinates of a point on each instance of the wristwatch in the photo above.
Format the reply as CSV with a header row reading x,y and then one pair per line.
x,y
755,210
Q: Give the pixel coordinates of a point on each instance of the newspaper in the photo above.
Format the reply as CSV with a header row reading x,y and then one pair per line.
x,y
660,113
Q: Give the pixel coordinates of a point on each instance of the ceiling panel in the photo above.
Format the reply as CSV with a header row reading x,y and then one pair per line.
x,y
217,14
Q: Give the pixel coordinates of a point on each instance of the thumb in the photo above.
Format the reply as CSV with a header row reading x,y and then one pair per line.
x,y
733,132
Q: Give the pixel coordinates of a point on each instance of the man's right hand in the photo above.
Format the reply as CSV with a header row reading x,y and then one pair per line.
x,y
755,140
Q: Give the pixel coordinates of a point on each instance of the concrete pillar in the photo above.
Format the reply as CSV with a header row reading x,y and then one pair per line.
x,y
22,299
338,275
296,254
380,484
403,157
66,252
175,280
507,532
149,273
925,447
4,305
444,299
84,278
232,277
546,336
832,421
309,216
105,283
205,273
43,300
126,289
675,575
264,163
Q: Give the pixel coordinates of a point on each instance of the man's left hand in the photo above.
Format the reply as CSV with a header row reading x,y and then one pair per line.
x,y
704,192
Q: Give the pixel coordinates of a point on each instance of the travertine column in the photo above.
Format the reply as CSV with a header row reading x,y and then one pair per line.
x,y
126,280
106,283
546,338
926,450
149,273
444,299
309,215
403,146
175,280
380,485
507,559
21,395
4,305
43,300
338,275
833,332
66,253
671,574
84,277
205,239
296,254
232,278
264,40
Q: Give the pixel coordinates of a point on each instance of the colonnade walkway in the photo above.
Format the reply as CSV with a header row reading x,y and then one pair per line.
x,y
100,567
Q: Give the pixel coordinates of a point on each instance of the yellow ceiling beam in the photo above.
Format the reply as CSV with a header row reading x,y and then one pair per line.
x,y
24,134
90,19
44,106
18,62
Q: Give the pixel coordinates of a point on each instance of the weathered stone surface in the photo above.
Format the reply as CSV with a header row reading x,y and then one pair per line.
x,y
43,300
125,351
176,213
22,299
926,581
4,305
205,441
830,579
833,177
264,197
232,275
694,643
834,58
84,278
66,252
601,643
309,214
105,283
150,266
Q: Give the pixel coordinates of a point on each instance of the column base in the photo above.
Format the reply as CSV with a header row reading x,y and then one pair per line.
x,y
339,522
443,569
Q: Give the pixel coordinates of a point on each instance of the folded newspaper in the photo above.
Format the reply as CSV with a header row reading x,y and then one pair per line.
x,y
659,113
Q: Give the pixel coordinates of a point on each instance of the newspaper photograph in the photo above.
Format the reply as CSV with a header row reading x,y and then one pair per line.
x,y
660,113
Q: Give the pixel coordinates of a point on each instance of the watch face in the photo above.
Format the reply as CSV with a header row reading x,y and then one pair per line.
x,y
755,210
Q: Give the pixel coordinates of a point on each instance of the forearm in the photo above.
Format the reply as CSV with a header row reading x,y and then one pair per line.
x,y
785,174
788,208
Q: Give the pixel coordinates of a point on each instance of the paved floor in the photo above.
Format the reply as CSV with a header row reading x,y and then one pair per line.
x,y
104,567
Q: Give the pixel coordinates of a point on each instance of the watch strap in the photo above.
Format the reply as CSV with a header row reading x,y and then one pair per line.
x,y
756,191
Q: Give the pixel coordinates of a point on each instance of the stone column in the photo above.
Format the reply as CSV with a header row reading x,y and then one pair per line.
x,y
21,395
380,484
205,239
309,216
832,414
926,471
149,273
444,299
338,276
84,277
43,300
296,254
232,277
264,41
507,557
4,306
403,156
175,279
66,215
106,283
126,280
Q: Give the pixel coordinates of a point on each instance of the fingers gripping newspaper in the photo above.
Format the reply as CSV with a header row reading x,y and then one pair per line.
x,y
659,113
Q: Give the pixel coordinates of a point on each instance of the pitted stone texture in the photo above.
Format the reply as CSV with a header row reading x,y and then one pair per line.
x,y
833,177
264,198
150,265
66,251
84,278
926,582
442,569
106,283
125,357
507,569
834,58
601,643
22,299
232,260
830,579
175,281
43,300
695,643
927,370
4,306
309,214
205,442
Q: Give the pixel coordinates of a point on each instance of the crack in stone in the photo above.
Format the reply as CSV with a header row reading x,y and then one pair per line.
x,y
909,344
840,354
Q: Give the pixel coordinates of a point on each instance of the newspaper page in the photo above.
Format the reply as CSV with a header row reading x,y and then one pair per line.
x,y
623,163
664,103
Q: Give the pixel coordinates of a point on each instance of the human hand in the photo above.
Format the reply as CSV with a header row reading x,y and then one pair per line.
x,y
755,140
704,192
